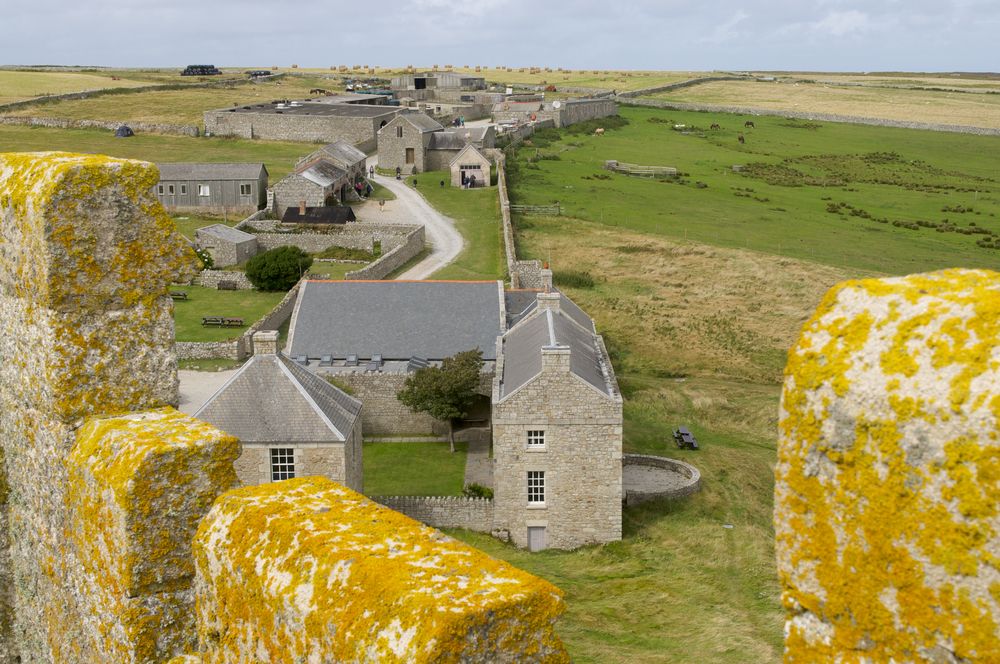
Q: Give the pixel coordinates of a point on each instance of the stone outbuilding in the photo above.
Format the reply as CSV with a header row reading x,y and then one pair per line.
x,y
205,187
315,183
226,245
344,156
470,168
290,422
403,143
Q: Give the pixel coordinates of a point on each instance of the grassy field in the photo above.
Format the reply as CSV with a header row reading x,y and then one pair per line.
x,y
22,85
278,156
477,216
823,192
183,106
976,110
188,223
245,304
328,270
413,469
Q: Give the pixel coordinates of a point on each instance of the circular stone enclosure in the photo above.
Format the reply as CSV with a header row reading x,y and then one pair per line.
x,y
646,477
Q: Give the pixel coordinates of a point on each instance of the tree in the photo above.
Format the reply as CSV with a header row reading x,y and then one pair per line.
x,y
277,269
445,392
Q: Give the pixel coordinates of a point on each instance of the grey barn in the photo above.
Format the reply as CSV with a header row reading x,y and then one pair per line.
x,y
212,187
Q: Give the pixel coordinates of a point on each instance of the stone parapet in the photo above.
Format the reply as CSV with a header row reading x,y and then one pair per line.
x,y
307,570
887,493
444,511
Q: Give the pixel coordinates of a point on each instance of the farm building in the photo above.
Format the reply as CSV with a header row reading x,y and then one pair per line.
x,y
290,422
315,183
438,80
306,121
470,168
416,143
212,187
226,245
562,112
548,389
328,214
342,155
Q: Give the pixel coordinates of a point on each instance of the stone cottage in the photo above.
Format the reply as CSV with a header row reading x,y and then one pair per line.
x,y
343,155
549,394
403,143
226,245
290,422
313,183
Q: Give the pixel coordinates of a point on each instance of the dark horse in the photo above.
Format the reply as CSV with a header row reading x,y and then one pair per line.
x,y
749,125
715,125
741,139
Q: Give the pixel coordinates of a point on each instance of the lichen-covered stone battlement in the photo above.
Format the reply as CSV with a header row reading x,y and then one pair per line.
x,y
103,485
887,497
308,570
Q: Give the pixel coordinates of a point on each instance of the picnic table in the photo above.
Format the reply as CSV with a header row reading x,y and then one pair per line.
x,y
221,321
685,438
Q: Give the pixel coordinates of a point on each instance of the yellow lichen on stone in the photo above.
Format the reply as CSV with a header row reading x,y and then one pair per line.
x,y
138,487
308,570
888,477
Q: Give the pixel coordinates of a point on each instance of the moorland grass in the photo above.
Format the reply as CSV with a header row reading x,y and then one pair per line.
x,y
249,305
799,169
22,85
414,469
278,156
476,213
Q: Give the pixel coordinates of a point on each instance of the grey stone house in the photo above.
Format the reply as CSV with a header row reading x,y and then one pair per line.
x,y
226,245
290,422
236,187
343,155
314,183
403,143
470,168
549,392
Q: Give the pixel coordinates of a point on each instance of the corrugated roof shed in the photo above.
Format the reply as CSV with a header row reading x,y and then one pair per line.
x,y
206,171
397,319
322,173
271,399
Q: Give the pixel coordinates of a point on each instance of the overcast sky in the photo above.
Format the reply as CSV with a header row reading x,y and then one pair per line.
x,y
823,35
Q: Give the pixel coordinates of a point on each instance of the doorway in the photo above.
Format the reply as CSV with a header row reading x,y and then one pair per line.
x,y
536,538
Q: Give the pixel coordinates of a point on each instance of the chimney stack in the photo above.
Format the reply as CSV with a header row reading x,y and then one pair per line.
x,y
265,342
546,278
549,300
555,358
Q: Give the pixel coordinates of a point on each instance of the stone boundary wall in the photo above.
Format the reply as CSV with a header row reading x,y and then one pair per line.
x,y
281,312
823,117
394,259
211,278
686,469
444,511
523,274
138,127
206,350
679,85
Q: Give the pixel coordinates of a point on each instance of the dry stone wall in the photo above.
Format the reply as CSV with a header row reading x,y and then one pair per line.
x,y
211,279
444,511
397,257
887,493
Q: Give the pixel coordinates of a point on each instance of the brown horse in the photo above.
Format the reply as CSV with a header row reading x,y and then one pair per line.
x,y
715,125
741,139
749,125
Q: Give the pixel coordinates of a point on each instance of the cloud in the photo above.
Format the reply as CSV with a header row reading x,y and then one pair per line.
x,y
839,24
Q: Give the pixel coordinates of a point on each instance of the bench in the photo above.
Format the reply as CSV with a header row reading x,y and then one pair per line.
x,y
221,321
179,295
685,438
227,285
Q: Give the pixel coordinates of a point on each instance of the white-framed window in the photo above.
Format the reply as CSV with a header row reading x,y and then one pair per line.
x,y
204,190
159,189
184,189
536,487
536,438
244,190
282,463
170,189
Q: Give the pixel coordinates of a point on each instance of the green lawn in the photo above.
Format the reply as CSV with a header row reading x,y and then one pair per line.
x,y
414,469
477,216
246,304
328,270
797,170
188,223
278,156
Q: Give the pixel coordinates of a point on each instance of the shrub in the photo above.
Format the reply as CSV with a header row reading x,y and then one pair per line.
x,y
277,269
477,491
206,259
573,279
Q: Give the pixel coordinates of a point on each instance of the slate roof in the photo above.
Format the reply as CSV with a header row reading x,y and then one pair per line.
x,y
322,173
397,319
422,121
461,155
227,233
341,153
523,344
198,171
273,400
520,303
327,214
447,140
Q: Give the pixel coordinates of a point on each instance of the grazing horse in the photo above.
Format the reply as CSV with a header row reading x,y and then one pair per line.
x,y
715,125
741,139
749,125
599,131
